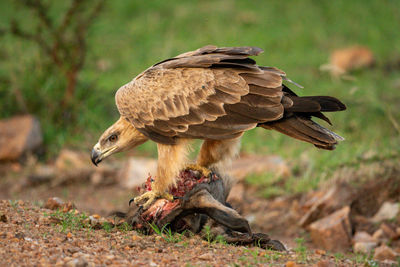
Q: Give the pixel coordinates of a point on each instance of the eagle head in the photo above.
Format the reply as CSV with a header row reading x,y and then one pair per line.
x,y
120,136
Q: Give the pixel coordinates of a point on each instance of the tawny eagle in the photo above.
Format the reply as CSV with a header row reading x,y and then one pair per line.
x,y
214,94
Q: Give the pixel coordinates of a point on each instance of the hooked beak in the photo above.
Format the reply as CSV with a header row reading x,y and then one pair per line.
x,y
96,154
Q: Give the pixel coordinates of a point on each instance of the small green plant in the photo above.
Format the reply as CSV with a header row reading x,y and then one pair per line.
x,y
166,233
254,253
301,249
125,227
70,220
208,235
243,258
89,232
371,263
272,256
106,226
220,240
338,257
13,203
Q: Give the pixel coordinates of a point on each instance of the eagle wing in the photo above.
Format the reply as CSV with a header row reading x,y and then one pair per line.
x,y
210,93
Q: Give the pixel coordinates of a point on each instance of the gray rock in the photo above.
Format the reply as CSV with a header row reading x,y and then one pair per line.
x,y
364,247
362,236
387,211
136,170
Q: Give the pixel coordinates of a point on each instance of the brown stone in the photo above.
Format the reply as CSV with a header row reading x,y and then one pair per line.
x,y
335,198
53,203
350,58
96,178
364,247
384,253
41,174
325,263
237,193
68,159
387,211
135,171
206,256
389,231
378,234
332,232
291,264
362,236
258,164
19,135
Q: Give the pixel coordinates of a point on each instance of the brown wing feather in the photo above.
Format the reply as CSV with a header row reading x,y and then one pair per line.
x,y
210,93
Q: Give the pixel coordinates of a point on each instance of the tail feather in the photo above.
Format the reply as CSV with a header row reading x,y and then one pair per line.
x,y
315,104
306,130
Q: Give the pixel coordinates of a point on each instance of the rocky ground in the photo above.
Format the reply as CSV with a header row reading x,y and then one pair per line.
x,y
32,235
348,222
352,220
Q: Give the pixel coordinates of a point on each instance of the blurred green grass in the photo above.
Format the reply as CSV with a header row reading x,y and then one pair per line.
x,y
297,36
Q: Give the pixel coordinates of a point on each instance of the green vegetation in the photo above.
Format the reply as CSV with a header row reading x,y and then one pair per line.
x,y
207,234
128,36
107,227
70,221
272,256
166,233
301,249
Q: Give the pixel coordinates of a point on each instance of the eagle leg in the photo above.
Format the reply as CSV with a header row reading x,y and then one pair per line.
x,y
171,159
218,151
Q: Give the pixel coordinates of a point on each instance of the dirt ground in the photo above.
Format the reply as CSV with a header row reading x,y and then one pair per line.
x,y
33,235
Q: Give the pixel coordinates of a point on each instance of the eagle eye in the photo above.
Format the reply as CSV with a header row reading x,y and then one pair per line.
x,y
113,138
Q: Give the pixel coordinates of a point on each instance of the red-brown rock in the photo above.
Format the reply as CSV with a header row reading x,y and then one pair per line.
x,y
237,193
68,159
54,203
350,58
384,253
389,231
335,198
325,263
19,135
333,232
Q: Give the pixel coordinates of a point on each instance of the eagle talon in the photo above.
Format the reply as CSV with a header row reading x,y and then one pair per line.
x,y
130,201
151,196
195,167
